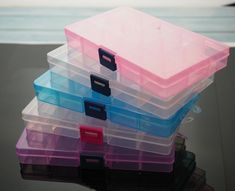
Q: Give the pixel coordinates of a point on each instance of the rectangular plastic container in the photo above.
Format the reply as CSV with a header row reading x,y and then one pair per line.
x,y
110,180
161,58
46,149
48,118
86,71
63,92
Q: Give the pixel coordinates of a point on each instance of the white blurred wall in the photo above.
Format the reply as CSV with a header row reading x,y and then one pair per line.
x,y
114,3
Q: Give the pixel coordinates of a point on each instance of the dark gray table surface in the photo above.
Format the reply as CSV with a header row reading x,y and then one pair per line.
x,y
210,134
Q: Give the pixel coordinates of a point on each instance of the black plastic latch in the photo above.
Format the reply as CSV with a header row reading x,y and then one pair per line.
x,y
95,110
100,85
107,59
91,162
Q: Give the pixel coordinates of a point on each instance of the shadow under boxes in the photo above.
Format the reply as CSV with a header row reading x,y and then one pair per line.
x,y
49,118
60,91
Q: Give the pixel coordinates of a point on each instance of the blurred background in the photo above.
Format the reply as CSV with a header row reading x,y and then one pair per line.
x,y
42,21
111,3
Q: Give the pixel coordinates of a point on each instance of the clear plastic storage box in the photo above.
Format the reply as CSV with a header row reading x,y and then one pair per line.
x,y
46,149
48,118
161,58
84,70
63,92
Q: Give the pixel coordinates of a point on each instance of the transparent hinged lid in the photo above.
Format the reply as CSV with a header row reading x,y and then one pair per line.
x,y
48,118
84,70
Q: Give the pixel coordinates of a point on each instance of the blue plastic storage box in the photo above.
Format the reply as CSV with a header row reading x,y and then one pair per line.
x,y
58,90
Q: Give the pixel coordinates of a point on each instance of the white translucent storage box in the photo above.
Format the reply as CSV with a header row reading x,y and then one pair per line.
x,y
48,118
86,71
163,59
61,91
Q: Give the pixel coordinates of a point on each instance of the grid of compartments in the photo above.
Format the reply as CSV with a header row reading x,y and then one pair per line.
x,y
116,93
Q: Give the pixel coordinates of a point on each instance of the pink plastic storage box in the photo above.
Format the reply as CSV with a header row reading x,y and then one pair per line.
x,y
161,58
47,149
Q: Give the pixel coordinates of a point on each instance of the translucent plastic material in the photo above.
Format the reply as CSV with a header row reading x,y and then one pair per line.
x,y
47,149
88,72
161,58
48,118
65,93
182,178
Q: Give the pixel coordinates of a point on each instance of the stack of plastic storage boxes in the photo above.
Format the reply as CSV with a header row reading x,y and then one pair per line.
x,y
117,92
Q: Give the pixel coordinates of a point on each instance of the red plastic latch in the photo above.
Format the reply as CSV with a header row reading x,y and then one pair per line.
x,y
92,135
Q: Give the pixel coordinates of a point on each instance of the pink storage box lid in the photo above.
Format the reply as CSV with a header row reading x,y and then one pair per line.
x,y
161,57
